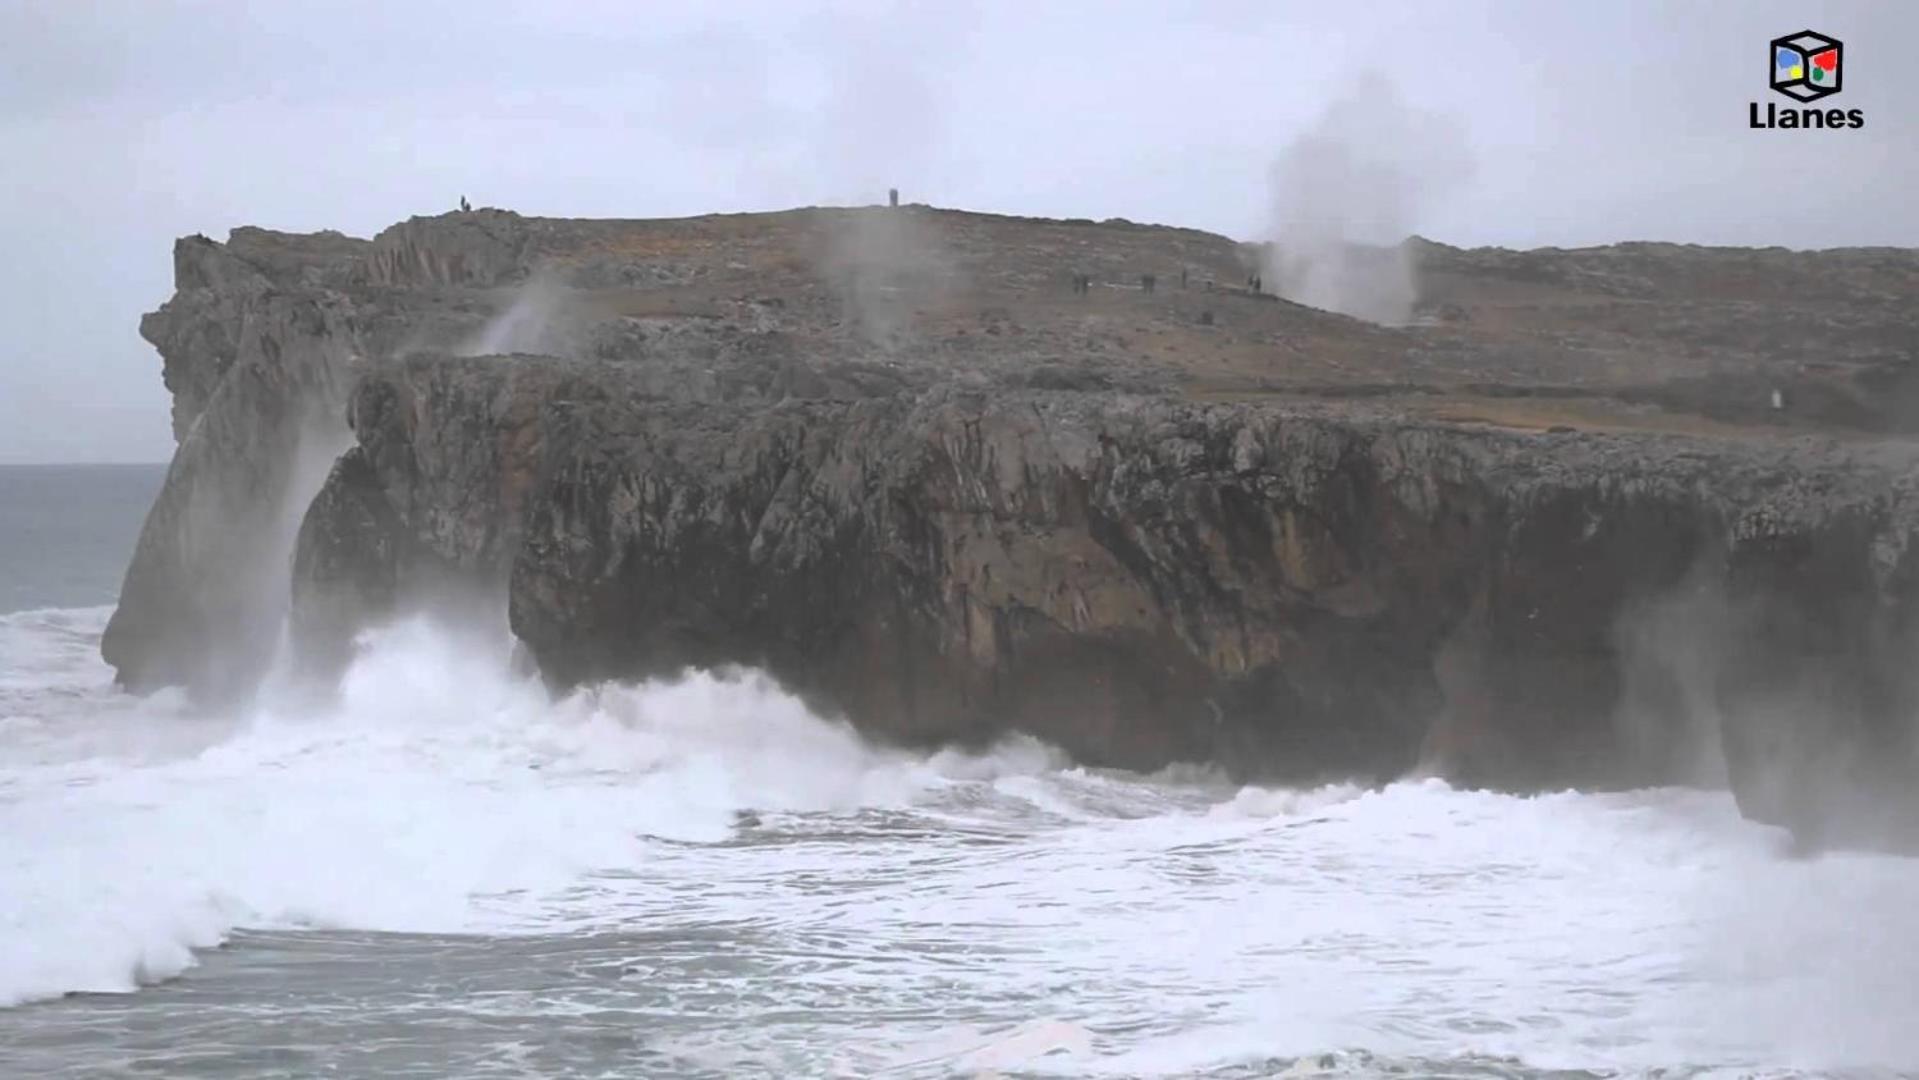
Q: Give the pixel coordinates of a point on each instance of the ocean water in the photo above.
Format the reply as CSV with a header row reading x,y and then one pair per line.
x,y
67,531
442,872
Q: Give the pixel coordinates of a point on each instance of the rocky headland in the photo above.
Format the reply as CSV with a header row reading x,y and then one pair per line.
x,y
1599,517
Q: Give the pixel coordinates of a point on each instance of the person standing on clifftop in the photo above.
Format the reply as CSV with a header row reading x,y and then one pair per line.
x,y
464,205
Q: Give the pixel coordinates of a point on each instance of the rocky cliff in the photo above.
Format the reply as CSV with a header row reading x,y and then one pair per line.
x,y
1604,517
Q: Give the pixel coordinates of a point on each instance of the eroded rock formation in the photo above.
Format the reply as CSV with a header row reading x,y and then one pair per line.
x,y
1557,534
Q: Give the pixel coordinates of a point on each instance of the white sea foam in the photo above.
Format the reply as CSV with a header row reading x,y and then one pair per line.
x,y
880,909
436,795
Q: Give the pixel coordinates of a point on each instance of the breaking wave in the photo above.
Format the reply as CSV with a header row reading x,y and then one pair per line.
x,y
787,899
436,794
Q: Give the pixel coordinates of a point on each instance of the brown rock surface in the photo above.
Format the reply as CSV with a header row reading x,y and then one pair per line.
x,y
896,458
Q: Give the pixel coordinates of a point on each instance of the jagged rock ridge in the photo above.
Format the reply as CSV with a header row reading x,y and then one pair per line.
x,y
894,458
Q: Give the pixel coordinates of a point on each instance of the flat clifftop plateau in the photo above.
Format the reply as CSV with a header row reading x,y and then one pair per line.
x,y
1609,516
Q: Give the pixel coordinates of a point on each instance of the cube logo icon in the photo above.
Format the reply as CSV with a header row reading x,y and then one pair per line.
x,y
1806,66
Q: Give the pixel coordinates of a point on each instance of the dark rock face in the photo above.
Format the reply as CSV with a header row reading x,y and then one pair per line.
x,y
1137,582
928,484
1291,592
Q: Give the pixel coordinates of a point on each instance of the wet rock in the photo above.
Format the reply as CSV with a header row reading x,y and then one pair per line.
x,y
1290,542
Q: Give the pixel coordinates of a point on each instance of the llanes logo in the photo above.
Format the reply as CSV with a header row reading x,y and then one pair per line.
x,y
1806,66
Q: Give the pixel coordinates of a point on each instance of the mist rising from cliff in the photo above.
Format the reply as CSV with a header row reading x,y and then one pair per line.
x,y
1669,649
1348,191
237,674
883,262
530,324
1816,743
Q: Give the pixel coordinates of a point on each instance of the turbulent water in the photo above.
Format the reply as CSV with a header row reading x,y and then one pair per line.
x,y
442,872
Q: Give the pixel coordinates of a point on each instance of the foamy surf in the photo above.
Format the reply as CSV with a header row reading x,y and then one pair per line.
x,y
699,877
979,1054
436,795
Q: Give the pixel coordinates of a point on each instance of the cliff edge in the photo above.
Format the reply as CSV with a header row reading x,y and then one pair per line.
x,y
1603,517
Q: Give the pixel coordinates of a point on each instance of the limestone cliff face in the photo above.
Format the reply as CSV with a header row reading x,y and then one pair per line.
x,y
256,343
259,347
1290,591
896,463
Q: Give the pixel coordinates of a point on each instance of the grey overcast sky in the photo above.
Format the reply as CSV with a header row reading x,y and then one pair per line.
x,y
126,123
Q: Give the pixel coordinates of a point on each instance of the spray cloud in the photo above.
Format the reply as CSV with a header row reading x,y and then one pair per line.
x,y
1363,175
528,324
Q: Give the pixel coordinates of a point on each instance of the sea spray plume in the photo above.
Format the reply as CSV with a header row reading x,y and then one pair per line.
x,y
1818,697
886,263
1347,192
1669,649
879,132
324,436
227,536
532,323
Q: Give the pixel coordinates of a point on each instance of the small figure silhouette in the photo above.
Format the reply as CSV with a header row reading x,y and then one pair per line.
x,y
464,205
